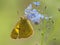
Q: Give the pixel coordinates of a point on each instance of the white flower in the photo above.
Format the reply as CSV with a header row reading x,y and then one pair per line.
x,y
29,7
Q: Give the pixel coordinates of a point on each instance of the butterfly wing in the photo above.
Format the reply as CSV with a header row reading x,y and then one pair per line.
x,y
23,29
26,29
15,31
14,34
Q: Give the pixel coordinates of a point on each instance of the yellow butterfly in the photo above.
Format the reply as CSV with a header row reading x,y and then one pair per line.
x,y
23,29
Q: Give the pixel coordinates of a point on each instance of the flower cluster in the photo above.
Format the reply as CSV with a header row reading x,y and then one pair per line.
x,y
33,14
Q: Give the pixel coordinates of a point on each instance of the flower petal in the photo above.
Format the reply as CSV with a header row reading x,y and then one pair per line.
x,y
36,3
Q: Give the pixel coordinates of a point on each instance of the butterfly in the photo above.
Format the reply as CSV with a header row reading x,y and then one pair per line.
x,y
23,29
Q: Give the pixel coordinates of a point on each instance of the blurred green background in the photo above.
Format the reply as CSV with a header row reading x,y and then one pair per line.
x,y
9,15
